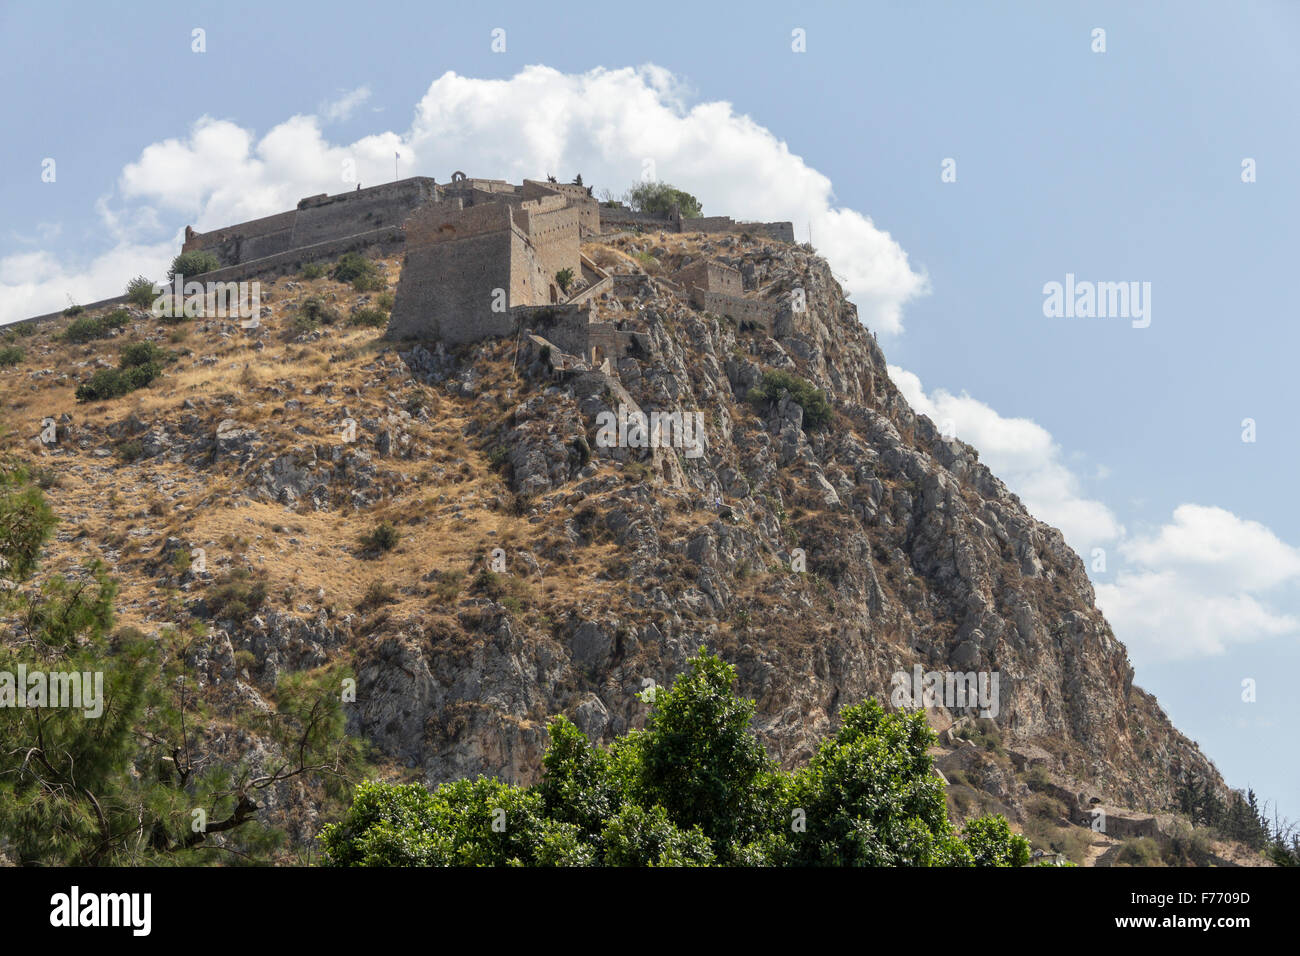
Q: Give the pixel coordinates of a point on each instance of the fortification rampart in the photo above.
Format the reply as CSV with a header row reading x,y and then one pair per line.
x,y
782,231
456,290
706,275
617,218
378,242
761,314
318,219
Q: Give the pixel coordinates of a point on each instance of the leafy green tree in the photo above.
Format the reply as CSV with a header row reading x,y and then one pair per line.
x,y
695,788
579,785
870,796
699,758
659,198
466,823
636,836
192,264
991,843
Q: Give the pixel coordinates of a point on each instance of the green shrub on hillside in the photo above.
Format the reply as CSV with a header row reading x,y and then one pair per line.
x,y
140,364
356,269
139,292
236,596
369,318
141,353
816,409
383,538
87,328
113,382
312,313
11,355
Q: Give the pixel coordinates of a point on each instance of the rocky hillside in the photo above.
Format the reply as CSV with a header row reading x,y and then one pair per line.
x,y
613,565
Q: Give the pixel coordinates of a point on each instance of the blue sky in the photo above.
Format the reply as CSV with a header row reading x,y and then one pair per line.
x,y
1117,166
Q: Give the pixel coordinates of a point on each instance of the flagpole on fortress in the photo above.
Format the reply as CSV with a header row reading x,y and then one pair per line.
x,y
396,157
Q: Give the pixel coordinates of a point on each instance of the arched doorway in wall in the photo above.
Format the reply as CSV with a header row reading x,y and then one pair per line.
x,y
597,356
555,295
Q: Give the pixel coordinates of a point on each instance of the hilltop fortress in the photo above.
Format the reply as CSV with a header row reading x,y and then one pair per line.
x,y
484,257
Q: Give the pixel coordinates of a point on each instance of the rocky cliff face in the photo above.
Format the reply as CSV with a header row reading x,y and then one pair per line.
x,y
541,571
915,554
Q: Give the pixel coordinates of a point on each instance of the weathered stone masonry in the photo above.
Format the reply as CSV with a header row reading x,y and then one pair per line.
x,y
483,257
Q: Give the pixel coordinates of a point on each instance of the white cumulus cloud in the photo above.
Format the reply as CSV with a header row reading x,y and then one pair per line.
x,y
1201,583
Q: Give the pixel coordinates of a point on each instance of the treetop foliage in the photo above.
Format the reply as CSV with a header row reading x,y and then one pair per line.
x,y
659,198
695,788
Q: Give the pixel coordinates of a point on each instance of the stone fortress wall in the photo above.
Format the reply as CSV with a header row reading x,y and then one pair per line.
x,y
479,253
323,221
452,293
481,256
718,288
615,217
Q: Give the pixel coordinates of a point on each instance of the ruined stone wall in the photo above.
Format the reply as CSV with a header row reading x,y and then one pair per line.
x,y
248,240
709,276
254,227
762,314
725,279
448,221
628,285
479,185
613,343
564,325
782,231
708,224
618,218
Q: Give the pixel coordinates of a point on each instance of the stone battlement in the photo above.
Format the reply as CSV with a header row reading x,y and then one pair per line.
x,y
317,220
485,256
